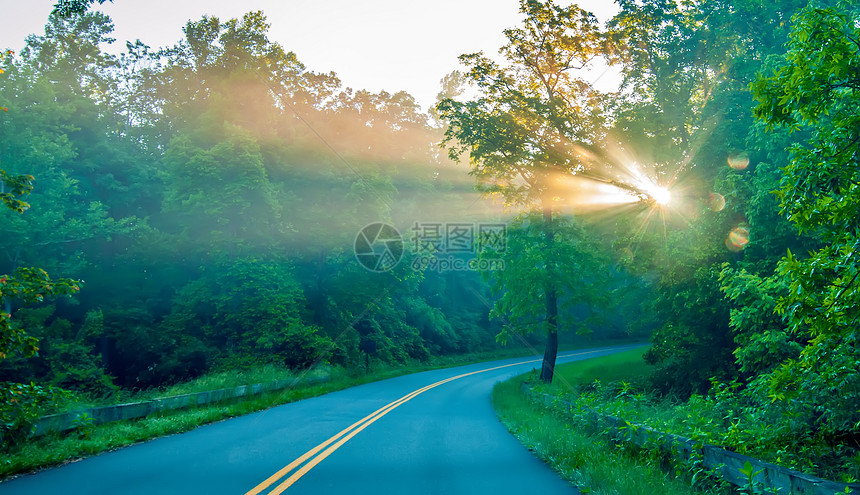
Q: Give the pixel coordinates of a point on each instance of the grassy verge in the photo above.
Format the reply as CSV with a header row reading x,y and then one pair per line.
x,y
210,381
619,386
55,449
589,461
622,366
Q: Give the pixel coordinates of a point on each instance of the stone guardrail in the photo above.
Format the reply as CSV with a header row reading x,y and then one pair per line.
x,y
728,464
106,414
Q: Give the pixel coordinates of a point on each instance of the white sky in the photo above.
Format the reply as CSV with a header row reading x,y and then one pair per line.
x,y
376,45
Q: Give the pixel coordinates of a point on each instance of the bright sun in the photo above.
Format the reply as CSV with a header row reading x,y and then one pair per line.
x,y
661,195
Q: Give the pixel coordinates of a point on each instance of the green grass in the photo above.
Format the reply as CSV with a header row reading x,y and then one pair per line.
x,y
717,418
589,461
54,449
622,366
211,381
618,385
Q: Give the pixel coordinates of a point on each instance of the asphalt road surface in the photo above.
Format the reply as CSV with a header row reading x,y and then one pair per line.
x,y
428,433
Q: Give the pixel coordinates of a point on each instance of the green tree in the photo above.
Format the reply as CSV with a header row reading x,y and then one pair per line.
x,y
62,128
687,67
581,279
58,132
531,127
221,197
252,308
68,8
19,403
816,92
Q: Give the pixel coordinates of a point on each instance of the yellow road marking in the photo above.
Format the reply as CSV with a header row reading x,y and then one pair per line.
x,y
289,467
353,430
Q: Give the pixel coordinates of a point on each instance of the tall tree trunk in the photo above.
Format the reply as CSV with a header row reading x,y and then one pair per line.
x,y
551,352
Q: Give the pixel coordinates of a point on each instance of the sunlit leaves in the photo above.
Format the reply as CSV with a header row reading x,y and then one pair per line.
x,y
532,107
759,332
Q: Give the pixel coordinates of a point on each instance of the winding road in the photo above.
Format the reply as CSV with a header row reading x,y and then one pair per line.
x,y
433,432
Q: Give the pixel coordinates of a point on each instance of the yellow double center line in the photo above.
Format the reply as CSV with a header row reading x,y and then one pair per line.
x,y
352,430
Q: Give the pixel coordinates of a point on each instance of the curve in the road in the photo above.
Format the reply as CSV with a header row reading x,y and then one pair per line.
x,y
355,429
443,439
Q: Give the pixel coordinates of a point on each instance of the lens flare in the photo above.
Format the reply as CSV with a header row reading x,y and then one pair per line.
x,y
738,239
716,202
739,161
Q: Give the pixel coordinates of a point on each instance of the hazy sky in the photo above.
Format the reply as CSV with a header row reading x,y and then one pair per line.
x,y
376,45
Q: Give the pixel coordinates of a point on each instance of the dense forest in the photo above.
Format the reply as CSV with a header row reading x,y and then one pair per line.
x,y
205,199
201,203
207,196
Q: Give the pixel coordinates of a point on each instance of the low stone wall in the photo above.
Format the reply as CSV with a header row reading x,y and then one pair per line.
x,y
776,479
119,412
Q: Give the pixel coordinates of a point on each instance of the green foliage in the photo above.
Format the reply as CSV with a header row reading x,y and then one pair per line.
x,y
20,405
586,458
815,90
684,67
18,185
759,331
691,65
694,342
785,367
250,306
529,130
221,194
73,364
69,8
578,276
